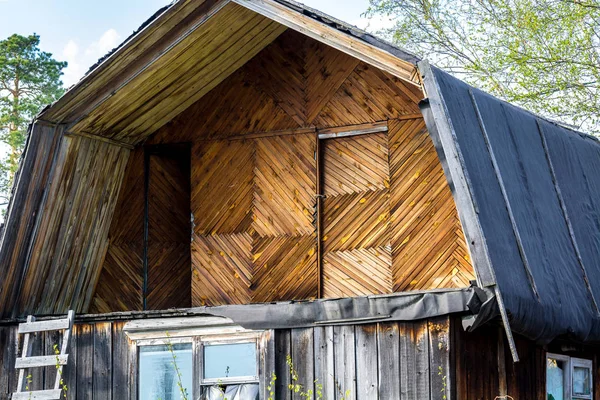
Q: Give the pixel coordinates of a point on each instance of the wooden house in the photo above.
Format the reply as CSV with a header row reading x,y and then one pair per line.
x,y
264,191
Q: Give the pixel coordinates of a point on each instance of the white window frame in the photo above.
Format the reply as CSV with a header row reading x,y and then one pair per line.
x,y
571,363
198,331
227,339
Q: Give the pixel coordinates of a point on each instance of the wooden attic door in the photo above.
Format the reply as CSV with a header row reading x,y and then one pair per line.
x,y
356,246
167,271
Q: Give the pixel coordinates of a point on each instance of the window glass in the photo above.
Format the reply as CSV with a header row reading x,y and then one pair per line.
x,y
229,360
157,374
555,379
581,381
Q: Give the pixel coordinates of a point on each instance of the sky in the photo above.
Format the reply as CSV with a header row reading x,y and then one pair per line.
x,y
82,31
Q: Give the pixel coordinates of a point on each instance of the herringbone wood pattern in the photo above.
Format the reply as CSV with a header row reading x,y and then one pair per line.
x,y
169,271
389,219
284,186
120,283
428,247
222,186
356,237
258,231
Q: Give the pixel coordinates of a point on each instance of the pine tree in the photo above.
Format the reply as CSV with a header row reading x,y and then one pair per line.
x,y
29,79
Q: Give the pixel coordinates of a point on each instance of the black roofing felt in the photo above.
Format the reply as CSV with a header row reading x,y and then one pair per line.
x,y
535,187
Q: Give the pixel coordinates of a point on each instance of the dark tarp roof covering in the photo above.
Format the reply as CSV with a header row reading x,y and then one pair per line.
x,y
476,304
534,187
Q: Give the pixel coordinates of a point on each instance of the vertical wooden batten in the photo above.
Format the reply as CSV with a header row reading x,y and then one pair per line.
x,y
319,214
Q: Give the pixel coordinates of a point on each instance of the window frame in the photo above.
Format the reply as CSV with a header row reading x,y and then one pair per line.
x,y
220,340
196,330
571,363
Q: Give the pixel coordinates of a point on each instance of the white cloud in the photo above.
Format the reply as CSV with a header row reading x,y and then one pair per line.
x,y
80,61
108,41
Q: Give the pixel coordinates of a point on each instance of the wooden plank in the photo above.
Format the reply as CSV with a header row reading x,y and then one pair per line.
x,y
302,344
41,361
367,369
23,211
353,130
267,364
345,362
389,361
283,350
332,37
69,374
42,326
51,338
439,355
54,394
324,360
102,381
8,354
85,361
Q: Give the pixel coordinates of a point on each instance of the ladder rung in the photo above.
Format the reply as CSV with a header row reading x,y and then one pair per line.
x,y
41,361
52,394
42,326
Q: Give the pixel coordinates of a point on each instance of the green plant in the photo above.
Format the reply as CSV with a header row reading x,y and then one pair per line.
x,y
444,384
297,387
271,386
182,390
63,385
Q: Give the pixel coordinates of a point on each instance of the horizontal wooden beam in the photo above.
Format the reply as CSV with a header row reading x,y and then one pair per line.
x,y
353,130
41,361
52,394
332,37
260,135
42,326
101,139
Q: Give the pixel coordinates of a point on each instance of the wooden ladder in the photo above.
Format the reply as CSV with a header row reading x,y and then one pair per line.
x,y
26,361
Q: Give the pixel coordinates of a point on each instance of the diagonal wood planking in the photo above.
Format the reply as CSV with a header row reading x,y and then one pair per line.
x,y
169,272
368,95
222,186
285,268
284,186
428,247
222,269
253,200
356,234
357,272
122,270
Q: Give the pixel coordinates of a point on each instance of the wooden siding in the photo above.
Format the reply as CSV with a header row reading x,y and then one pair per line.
x,y
25,204
71,232
389,220
98,366
169,272
193,66
254,237
121,280
478,360
374,361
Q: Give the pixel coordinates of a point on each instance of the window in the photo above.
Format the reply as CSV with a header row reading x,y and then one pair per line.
x,y
211,366
157,375
568,378
229,369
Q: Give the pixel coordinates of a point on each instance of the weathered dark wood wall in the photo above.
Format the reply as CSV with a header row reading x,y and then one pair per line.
x,y
374,361
389,219
23,210
69,228
478,360
98,367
